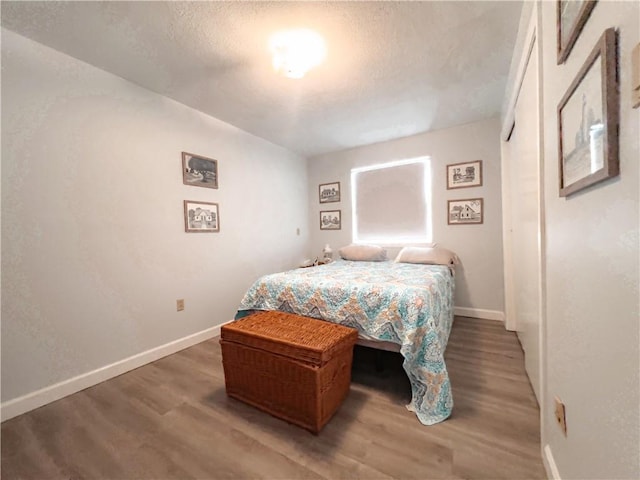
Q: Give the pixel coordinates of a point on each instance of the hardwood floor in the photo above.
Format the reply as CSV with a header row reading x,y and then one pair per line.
x,y
172,419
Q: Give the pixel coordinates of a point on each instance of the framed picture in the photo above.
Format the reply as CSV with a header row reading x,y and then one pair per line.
x,y
329,192
465,174
199,171
571,17
461,212
201,217
588,116
330,220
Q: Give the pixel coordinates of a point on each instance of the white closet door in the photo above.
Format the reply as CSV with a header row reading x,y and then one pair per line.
x,y
524,198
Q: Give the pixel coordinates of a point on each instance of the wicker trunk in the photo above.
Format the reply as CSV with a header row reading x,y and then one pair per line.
x,y
295,368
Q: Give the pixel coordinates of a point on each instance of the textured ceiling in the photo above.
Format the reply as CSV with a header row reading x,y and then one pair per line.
x,y
393,69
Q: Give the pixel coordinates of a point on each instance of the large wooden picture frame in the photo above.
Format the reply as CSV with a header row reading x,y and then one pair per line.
x,y
571,18
588,117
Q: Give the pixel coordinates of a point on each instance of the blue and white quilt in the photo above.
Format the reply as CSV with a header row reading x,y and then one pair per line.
x,y
407,304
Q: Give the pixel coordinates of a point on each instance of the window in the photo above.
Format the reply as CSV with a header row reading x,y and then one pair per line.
x,y
391,202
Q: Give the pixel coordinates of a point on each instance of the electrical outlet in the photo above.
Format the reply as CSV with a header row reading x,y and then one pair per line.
x,y
180,304
561,415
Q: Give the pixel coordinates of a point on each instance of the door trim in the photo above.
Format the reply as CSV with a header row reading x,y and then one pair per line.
x,y
533,29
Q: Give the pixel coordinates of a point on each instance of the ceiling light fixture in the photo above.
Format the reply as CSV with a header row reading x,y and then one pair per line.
x,y
295,52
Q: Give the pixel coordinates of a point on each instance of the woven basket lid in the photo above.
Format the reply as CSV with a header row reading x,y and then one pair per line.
x,y
294,336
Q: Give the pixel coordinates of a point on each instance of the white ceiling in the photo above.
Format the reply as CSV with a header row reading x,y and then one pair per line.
x,y
393,69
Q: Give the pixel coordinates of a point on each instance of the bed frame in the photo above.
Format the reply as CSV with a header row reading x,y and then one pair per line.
x,y
379,345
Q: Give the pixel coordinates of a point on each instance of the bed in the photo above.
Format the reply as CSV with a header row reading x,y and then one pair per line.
x,y
403,304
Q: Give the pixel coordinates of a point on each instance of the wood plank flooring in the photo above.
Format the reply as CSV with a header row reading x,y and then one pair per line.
x,y
171,419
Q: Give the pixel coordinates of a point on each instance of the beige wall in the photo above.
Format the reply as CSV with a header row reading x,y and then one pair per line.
x,y
94,253
592,267
479,280
591,324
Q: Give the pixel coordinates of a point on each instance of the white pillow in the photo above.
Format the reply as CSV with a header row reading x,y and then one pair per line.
x,y
427,255
363,253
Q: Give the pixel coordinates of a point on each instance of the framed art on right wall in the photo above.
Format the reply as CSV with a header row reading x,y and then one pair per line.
x,y
588,117
571,18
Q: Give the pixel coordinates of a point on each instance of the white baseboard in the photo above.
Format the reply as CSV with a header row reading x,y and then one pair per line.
x,y
550,464
33,400
479,313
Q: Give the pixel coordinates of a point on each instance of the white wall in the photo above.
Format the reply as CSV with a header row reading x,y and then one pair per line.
x,y
591,340
479,280
94,253
520,44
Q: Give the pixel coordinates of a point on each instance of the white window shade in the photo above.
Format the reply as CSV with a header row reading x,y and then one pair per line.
x,y
392,202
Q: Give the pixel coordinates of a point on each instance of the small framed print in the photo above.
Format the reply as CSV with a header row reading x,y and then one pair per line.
x,y
571,18
464,175
330,220
201,217
199,171
467,211
329,192
588,117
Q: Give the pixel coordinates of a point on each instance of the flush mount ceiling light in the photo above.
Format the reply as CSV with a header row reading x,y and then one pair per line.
x,y
295,52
